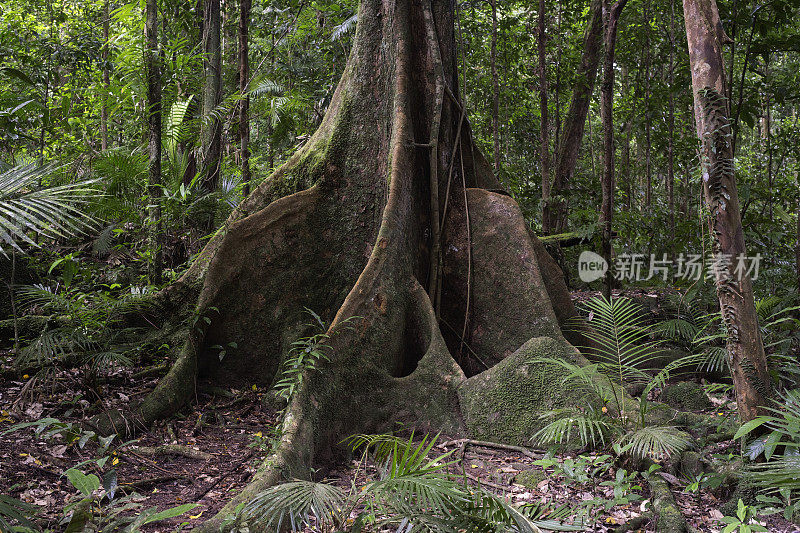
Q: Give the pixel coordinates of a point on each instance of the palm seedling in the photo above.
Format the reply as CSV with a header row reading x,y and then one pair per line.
x,y
624,354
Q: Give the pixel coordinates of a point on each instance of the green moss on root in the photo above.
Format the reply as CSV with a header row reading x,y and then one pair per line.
x,y
503,404
687,396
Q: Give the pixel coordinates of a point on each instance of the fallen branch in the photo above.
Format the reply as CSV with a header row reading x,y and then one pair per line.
x,y
172,449
151,481
669,518
485,444
151,371
480,481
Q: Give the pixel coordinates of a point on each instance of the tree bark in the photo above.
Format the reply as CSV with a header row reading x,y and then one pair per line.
x,y
495,91
575,121
768,133
648,167
345,227
244,84
670,182
544,124
106,80
153,75
607,117
797,244
746,356
211,130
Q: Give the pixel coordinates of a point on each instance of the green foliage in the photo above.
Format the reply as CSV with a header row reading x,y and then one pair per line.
x,y
779,444
743,521
306,353
19,512
582,469
49,211
624,353
88,511
86,330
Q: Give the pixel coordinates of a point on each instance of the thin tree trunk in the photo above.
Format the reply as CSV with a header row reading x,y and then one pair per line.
x,y
106,80
544,123
590,142
211,136
607,117
768,134
670,183
244,79
559,54
746,356
575,121
797,245
270,147
648,168
495,91
153,74
687,186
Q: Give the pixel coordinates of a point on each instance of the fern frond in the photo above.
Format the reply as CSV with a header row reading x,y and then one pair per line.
x,y
344,28
623,347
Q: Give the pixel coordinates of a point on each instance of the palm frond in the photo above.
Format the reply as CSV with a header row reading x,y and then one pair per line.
x,y
294,504
102,243
656,442
52,345
16,511
677,328
266,87
52,212
591,428
779,474
409,493
382,446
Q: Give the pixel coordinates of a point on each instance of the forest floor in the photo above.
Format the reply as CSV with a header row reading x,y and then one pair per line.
x,y
223,437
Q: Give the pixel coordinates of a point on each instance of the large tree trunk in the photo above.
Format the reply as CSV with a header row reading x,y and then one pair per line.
x,y
346,227
575,122
746,356
606,112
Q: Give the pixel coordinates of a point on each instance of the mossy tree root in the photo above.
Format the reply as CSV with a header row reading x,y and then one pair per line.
x,y
669,518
